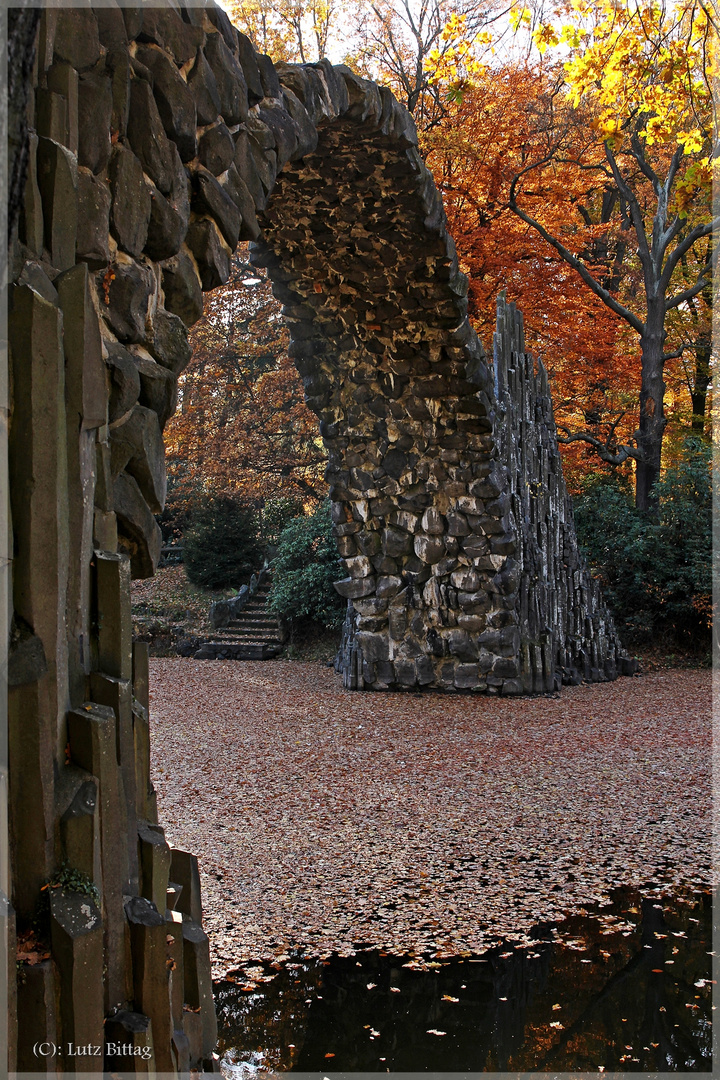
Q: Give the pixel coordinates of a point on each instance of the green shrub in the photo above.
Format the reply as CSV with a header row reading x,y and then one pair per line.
x,y
221,548
656,573
305,567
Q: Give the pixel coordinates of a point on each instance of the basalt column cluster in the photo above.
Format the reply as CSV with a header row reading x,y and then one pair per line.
x,y
567,633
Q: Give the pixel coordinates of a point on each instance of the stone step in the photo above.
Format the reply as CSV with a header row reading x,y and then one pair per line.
x,y
259,622
234,650
250,635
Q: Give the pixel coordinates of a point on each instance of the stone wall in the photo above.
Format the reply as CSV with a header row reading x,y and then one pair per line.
x,y
157,139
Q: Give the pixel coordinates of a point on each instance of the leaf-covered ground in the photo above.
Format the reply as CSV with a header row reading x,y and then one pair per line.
x,y
324,818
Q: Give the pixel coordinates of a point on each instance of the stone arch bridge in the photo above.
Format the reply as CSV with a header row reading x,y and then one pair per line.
x,y
154,140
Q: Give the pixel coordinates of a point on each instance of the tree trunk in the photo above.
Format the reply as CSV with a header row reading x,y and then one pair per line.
x,y
652,418
701,382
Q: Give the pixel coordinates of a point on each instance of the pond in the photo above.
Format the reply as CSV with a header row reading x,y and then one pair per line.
x,y
621,987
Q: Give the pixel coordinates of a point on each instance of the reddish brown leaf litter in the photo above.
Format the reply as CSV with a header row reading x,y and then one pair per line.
x,y
436,824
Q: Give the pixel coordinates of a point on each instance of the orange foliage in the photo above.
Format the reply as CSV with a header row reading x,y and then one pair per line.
x,y
242,426
591,354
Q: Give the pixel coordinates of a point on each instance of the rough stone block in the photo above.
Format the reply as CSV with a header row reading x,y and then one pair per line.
x,y
125,297
230,82
212,257
167,227
170,345
240,194
151,975
77,946
405,672
165,27
159,157
93,220
354,588
76,38
175,102
182,289
209,197
57,181
139,534
198,982
136,446
124,381
184,870
129,1046
131,201
95,104
111,27
119,65
249,62
76,801
467,677
204,88
216,149
154,861
158,385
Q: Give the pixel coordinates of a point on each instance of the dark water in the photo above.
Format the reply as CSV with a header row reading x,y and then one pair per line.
x,y
630,985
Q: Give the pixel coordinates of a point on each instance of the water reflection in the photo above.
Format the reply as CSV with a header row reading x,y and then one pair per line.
x,y
625,987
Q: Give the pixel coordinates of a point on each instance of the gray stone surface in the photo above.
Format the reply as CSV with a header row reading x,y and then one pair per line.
x,y
174,101
131,201
182,288
93,202
94,115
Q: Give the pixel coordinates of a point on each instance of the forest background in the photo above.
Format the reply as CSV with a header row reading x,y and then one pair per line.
x,y
575,148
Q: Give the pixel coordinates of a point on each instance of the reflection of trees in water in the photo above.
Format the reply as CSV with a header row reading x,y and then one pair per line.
x,y
616,987
270,1021
629,978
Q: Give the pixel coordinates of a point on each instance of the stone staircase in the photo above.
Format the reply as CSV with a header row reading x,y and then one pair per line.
x,y
253,634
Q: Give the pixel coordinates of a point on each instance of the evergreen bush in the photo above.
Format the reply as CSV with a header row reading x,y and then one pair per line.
x,y
221,547
305,567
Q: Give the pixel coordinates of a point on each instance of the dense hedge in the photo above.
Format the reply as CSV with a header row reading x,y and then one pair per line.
x,y
656,572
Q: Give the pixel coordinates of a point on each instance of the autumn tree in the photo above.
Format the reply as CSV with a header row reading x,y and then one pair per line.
x,y
638,77
293,31
473,155
242,427
394,39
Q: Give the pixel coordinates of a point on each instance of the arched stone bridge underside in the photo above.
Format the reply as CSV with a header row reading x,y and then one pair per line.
x,y
157,139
